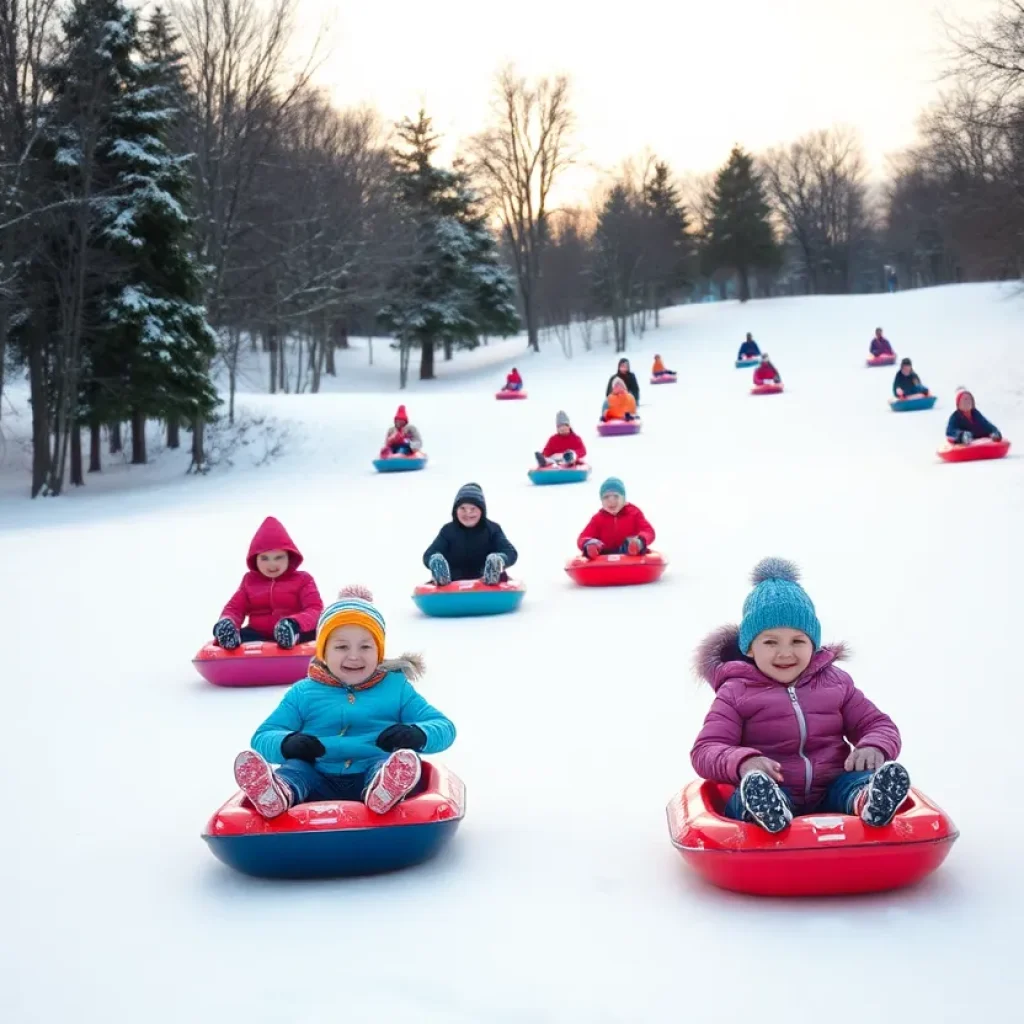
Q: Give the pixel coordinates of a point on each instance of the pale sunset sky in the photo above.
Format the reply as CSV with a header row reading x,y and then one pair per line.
x,y
685,79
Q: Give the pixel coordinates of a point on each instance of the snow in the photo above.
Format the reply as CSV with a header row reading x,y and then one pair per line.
x,y
561,899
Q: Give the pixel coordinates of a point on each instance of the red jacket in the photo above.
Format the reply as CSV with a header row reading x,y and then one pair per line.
x,y
559,443
765,374
292,595
513,378
612,531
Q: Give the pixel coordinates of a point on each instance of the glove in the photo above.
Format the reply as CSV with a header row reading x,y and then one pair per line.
x,y
635,545
996,436
227,634
439,569
591,548
629,417
966,437
402,737
569,458
300,746
494,566
286,633
899,392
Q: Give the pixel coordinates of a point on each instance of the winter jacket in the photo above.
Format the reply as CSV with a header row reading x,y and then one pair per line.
x,y
466,550
348,721
807,727
881,347
658,367
748,350
972,421
617,404
406,435
292,595
559,443
513,379
909,384
766,374
613,530
629,379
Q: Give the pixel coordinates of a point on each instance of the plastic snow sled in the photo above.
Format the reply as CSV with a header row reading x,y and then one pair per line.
x,y
766,389
261,663
509,396
328,839
617,570
468,597
913,404
817,855
614,428
400,463
742,364
983,448
880,360
665,378
573,474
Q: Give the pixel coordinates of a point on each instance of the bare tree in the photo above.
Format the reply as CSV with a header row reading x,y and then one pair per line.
x,y
518,159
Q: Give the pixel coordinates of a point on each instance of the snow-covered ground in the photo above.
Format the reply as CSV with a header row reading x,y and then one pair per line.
x,y
561,899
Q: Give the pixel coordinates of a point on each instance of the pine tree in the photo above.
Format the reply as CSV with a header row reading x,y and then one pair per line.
x,y
740,234
671,248
620,246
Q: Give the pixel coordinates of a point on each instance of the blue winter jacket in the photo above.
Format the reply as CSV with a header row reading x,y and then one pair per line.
x,y
347,722
976,424
909,384
748,350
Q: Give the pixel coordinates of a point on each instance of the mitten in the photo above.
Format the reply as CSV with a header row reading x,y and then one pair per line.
x,y
591,548
227,634
439,570
286,633
494,566
996,436
899,392
635,545
569,458
629,417
300,746
966,437
402,737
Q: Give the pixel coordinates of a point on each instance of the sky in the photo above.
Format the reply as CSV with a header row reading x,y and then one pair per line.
x,y
684,79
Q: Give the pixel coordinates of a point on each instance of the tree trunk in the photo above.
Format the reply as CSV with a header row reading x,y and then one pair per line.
x,y
173,431
329,358
427,360
95,441
116,443
138,438
744,273
532,334
198,450
40,416
77,478
341,334
448,350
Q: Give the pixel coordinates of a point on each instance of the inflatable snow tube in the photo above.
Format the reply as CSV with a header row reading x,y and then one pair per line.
x,y
329,839
509,396
616,428
574,474
976,451
261,663
665,378
617,570
818,855
400,463
743,364
468,598
914,404
880,360
766,389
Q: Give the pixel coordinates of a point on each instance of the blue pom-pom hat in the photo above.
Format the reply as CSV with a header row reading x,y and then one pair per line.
x,y
777,602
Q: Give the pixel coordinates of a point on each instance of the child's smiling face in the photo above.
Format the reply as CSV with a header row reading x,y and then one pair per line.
x,y
612,502
469,515
272,563
563,429
782,654
351,654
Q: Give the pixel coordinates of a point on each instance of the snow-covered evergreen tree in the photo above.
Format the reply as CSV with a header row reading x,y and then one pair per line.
x,y
670,248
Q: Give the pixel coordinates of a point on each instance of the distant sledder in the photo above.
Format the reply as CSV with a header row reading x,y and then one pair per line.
x,y
512,388
565,448
402,437
909,393
619,404
969,436
767,380
749,352
661,375
628,377
881,352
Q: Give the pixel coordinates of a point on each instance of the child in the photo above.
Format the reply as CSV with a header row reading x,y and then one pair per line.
x,y
402,438
628,377
282,603
620,404
749,349
788,728
618,528
658,370
353,729
565,447
967,424
470,547
880,346
906,383
513,382
766,372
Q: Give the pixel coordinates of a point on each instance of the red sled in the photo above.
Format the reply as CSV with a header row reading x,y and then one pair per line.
x,y
510,396
617,570
766,389
261,663
665,378
976,451
883,360
817,855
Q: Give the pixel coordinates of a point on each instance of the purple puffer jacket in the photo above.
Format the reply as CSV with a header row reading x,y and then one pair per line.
x,y
805,727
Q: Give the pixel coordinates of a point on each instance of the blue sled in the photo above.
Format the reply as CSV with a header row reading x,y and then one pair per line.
x,y
742,364
453,605
544,477
913,404
398,465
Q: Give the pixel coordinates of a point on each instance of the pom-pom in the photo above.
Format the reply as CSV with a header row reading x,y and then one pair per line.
x,y
356,590
774,569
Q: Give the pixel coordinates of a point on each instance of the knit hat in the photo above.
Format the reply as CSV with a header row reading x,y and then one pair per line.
x,y
960,392
906,361
353,608
776,602
402,414
561,419
618,382
613,485
470,494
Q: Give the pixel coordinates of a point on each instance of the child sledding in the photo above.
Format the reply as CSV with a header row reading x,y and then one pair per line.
x,y
402,437
564,447
881,352
512,388
767,380
970,437
618,413
749,352
909,394
661,375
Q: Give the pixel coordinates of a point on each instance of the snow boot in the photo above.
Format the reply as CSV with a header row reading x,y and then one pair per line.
x,y
765,802
541,461
256,779
227,634
393,782
493,568
882,797
439,570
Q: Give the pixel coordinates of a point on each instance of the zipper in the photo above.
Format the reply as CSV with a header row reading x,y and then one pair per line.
x,y
802,723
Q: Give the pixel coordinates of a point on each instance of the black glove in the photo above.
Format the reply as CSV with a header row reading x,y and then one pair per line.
x,y
402,737
630,417
966,437
286,633
300,746
996,436
227,634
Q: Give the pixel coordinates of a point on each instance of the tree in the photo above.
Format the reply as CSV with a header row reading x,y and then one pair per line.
x,y
740,234
619,253
669,246
518,159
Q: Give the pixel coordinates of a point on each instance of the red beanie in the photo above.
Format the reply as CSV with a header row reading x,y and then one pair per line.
x,y
401,414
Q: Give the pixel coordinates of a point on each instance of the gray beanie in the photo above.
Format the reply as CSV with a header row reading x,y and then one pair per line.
x,y
470,494
562,419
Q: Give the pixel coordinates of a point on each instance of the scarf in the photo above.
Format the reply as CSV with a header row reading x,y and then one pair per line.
x,y
320,673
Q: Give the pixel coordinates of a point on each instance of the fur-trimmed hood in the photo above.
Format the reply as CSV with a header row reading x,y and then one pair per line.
x,y
412,666
719,658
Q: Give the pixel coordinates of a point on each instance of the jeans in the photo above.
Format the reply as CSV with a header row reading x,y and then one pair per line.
x,y
400,449
308,784
838,798
250,635
513,387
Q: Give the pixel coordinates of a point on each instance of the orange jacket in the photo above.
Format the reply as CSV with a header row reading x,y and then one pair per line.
x,y
659,365
617,404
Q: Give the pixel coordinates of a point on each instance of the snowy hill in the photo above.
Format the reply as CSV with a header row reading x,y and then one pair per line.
x,y
561,899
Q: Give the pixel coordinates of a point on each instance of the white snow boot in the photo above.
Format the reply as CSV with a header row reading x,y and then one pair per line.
x,y
256,779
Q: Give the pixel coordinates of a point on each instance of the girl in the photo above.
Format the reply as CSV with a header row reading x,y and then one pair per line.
x,y
967,424
618,528
749,349
790,729
281,603
879,345
353,729
513,382
620,404
906,383
658,369
628,377
766,372
564,447
402,438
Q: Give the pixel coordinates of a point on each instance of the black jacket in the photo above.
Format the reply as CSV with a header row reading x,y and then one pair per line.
x,y
629,379
466,550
